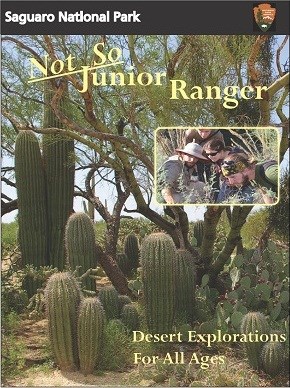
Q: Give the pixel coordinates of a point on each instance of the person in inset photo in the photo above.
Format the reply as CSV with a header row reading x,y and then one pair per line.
x,y
202,136
217,151
177,178
259,179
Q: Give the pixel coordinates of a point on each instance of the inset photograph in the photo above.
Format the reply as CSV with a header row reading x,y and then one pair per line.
x,y
209,165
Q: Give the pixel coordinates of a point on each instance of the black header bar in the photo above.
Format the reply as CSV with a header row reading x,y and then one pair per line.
x,y
139,17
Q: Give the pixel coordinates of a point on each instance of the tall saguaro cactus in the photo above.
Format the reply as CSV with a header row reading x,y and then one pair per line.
x,y
158,275
58,153
32,216
62,299
185,283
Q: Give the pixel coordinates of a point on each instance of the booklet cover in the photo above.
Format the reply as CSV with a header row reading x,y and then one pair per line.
x,y
145,197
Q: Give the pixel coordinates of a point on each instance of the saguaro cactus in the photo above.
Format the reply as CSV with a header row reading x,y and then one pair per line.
x,y
58,153
158,264
123,263
198,227
185,284
62,299
91,325
81,245
254,322
131,248
32,215
110,300
273,358
130,317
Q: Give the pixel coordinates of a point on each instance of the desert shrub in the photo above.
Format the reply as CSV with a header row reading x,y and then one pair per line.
x,y
13,297
9,233
141,227
12,350
117,352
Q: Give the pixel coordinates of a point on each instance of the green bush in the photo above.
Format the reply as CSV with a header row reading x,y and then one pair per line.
x,y
9,234
117,350
12,350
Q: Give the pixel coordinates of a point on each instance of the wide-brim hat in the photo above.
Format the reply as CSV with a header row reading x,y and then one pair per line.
x,y
192,149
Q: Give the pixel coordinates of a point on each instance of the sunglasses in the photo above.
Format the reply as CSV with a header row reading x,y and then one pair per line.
x,y
228,163
212,153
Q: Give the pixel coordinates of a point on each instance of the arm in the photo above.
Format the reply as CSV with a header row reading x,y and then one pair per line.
x,y
167,195
268,196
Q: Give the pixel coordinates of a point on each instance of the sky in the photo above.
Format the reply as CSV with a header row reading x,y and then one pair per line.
x,y
195,212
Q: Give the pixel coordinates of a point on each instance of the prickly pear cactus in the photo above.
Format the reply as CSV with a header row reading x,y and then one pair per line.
x,y
81,245
273,358
109,298
91,325
158,263
130,317
185,284
62,299
254,322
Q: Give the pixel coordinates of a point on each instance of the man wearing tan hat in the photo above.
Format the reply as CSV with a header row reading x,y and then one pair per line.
x,y
176,178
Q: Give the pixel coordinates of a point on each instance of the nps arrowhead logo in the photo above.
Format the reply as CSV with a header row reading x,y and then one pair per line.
x,y
264,15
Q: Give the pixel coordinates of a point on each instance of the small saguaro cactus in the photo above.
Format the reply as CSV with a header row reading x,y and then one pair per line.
x,y
62,299
81,245
124,263
158,266
130,317
109,298
131,249
273,358
198,229
254,322
123,300
91,330
185,284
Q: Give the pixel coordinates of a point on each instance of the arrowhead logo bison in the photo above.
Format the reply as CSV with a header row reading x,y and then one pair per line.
x,y
264,15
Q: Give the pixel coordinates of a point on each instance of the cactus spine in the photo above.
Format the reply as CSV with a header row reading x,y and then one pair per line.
x,y
110,300
254,322
130,317
198,228
273,358
158,263
58,153
32,217
131,249
62,298
81,245
91,325
185,284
